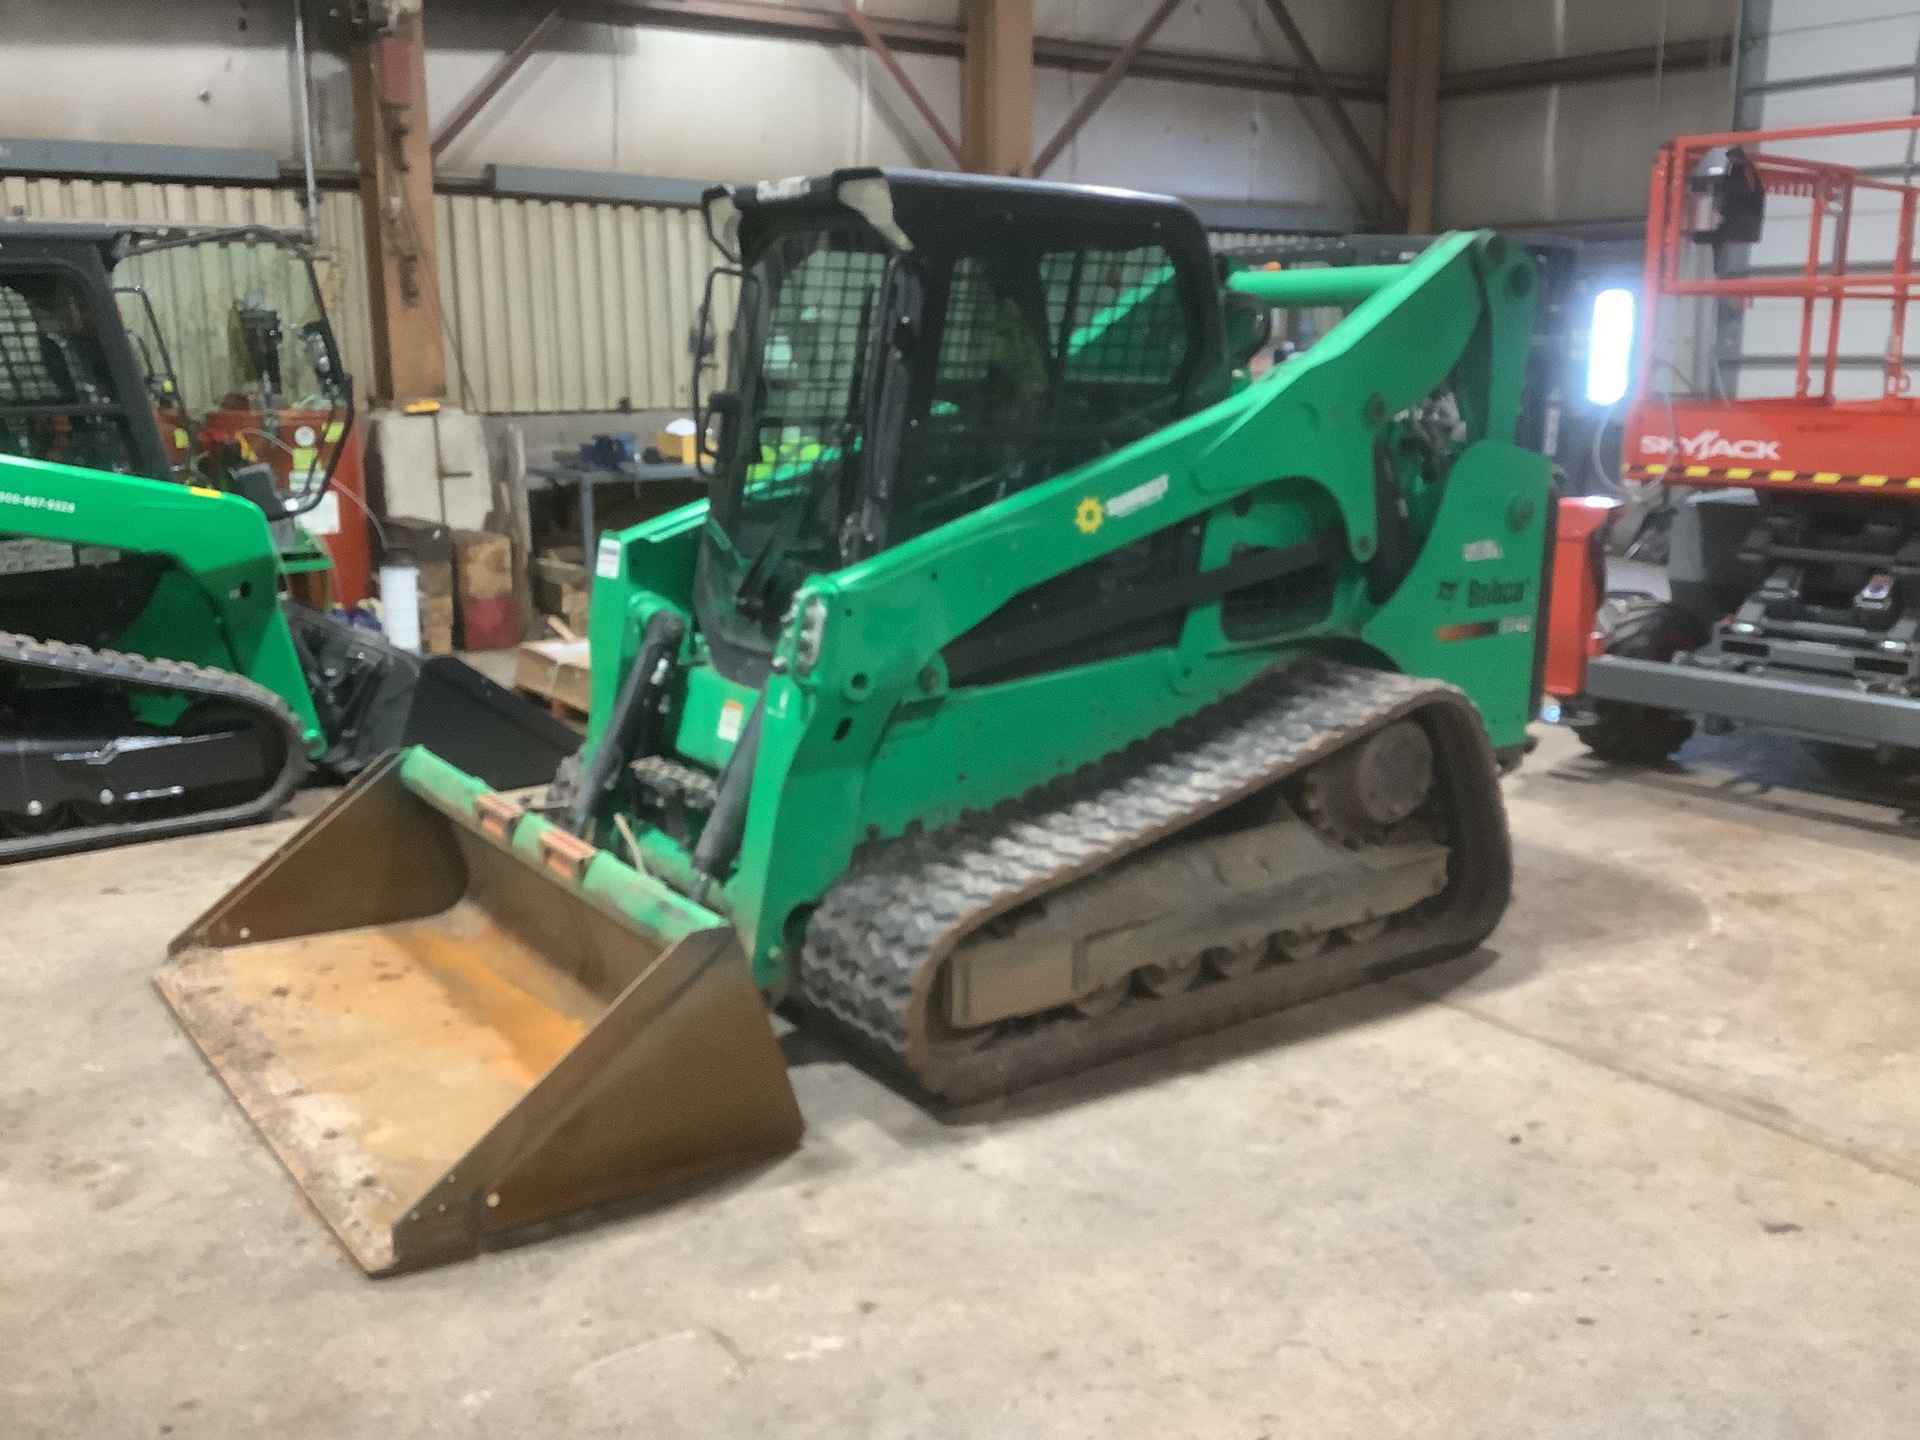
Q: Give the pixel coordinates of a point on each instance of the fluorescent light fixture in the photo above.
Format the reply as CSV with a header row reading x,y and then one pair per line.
x,y
1609,345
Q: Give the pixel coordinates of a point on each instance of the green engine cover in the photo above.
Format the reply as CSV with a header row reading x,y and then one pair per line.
x,y
216,600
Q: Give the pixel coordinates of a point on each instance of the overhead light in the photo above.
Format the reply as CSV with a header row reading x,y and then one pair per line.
x,y
1609,346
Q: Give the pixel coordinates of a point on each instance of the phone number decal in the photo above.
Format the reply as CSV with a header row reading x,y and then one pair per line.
x,y
37,502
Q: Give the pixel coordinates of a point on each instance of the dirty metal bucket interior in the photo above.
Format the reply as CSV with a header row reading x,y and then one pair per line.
x,y
444,1038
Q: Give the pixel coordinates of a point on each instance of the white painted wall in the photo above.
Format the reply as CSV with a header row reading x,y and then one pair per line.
x,y
1199,142
1578,151
1346,35
650,101
183,72
1507,32
666,102
1203,142
1572,152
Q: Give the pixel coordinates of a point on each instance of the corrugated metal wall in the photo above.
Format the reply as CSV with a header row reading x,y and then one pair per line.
x,y
549,306
182,287
554,305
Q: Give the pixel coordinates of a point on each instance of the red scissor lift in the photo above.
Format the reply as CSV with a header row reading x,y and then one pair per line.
x,y
1795,553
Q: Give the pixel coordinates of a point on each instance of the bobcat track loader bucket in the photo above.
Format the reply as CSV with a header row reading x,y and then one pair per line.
x,y
451,1019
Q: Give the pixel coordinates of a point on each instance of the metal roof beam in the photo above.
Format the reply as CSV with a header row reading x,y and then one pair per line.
x,y
877,43
508,66
1709,52
1384,196
1110,78
794,22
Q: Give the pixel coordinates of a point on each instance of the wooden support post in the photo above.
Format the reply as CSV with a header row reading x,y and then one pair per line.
x,y
1413,108
996,112
394,148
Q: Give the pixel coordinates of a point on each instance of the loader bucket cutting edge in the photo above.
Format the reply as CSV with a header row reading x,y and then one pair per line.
x,y
450,1020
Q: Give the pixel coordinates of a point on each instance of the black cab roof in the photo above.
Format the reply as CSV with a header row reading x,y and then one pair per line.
x,y
933,209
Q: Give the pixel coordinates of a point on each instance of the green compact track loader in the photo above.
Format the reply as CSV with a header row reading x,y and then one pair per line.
x,y
1036,686
152,680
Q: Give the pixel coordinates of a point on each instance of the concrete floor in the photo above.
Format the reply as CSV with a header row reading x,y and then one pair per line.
x,y
1647,1166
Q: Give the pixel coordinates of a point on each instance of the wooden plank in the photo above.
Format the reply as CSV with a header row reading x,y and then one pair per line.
x,y
555,670
562,589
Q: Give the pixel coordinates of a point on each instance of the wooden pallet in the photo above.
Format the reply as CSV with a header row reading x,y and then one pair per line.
x,y
557,673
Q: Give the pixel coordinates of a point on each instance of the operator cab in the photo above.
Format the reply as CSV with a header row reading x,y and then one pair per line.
x,y
90,377
68,392
910,346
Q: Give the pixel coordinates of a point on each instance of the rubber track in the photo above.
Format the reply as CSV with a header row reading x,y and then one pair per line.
x,y
136,672
876,944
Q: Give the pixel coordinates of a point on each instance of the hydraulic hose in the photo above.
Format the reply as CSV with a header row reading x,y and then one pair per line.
x,y
720,839
621,741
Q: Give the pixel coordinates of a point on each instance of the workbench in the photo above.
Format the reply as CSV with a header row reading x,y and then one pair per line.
x,y
566,470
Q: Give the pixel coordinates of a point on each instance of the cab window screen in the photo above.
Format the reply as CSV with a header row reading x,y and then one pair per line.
x,y
816,293
1048,359
1118,314
56,396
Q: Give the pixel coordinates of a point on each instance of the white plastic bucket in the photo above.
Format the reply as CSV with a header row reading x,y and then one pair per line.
x,y
400,605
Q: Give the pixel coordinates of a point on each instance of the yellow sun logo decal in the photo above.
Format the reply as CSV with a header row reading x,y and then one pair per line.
x,y
1090,515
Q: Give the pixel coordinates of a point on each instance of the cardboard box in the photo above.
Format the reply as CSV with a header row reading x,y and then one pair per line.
x,y
483,565
483,580
436,622
562,588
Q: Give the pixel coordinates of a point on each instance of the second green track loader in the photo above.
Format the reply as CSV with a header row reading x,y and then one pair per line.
x,y
1035,687
154,681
